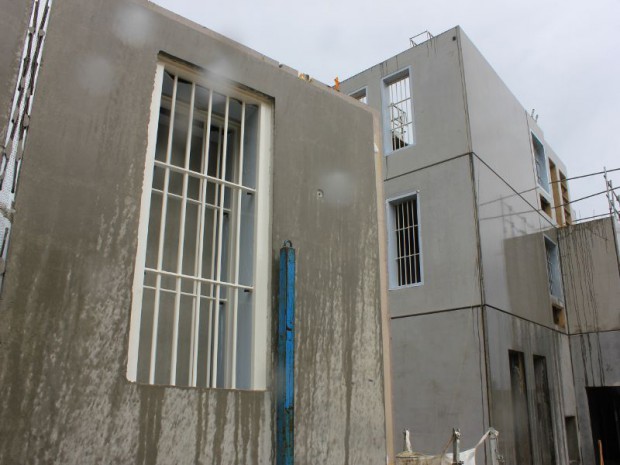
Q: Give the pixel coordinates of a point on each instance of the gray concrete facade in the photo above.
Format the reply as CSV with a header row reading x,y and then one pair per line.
x,y
65,309
492,332
485,299
592,281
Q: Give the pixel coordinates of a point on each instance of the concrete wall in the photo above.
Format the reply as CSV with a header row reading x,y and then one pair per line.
x,y
512,229
592,287
511,223
438,102
595,364
482,243
13,26
439,378
449,71
505,333
65,309
498,122
591,276
492,255
436,357
512,249
447,235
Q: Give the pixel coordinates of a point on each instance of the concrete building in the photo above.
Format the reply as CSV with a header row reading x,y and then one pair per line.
x,y
477,203
589,254
163,168
151,171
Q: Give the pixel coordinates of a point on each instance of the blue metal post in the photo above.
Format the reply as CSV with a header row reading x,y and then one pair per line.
x,y
285,379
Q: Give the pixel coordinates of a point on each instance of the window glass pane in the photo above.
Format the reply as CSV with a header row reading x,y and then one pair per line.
x,y
163,347
153,234
542,176
163,129
553,269
181,123
250,145
191,243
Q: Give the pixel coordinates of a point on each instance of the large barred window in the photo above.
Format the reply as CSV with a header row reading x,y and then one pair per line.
x,y
199,315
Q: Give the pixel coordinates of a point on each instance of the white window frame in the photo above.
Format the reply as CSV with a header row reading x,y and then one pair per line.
x,y
259,363
392,239
385,96
547,188
361,95
556,274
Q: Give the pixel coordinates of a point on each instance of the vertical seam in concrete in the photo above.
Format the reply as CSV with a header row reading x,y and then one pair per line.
x,y
559,430
385,315
577,413
483,312
485,342
478,238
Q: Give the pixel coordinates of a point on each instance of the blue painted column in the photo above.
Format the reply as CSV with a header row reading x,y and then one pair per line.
x,y
285,376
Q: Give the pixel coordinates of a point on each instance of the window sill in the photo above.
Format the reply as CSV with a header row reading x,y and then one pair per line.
x,y
408,286
400,150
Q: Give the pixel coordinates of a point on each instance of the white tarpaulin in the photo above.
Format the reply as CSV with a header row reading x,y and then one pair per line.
x,y
468,457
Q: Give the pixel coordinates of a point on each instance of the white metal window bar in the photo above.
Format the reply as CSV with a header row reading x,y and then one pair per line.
x,y
194,320
407,237
19,121
400,112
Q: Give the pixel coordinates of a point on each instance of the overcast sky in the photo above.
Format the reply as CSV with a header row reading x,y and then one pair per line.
x,y
560,57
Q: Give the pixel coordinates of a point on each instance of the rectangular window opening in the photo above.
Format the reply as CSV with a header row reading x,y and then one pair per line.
x,y
555,189
542,175
545,205
565,201
559,315
197,302
405,251
399,111
361,96
553,269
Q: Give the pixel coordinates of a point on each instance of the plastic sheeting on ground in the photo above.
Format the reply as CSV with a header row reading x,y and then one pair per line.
x,y
468,457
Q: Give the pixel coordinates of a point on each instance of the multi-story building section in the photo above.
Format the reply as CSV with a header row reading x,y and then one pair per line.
x,y
431,275
476,204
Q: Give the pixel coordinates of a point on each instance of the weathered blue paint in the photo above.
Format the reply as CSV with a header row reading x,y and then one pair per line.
x,y
285,380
